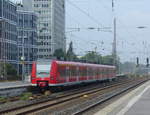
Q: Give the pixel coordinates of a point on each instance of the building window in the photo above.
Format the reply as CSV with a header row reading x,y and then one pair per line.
x,y
45,5
36,5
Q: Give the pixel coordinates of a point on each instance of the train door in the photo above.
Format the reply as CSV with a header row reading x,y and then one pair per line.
x,y
90,73
77,73
87,73
67,73
103,77
84,73
70,74
104,72
93,74
72,77
62,74
74,74
97,73
80,73
100,74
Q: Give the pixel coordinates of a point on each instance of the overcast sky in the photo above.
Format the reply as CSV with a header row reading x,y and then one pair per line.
x,y
131,41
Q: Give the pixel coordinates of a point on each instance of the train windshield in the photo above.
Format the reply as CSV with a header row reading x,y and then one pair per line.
x,y
43,69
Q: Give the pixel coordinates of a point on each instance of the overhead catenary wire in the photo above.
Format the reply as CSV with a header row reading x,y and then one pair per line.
x,y
85,13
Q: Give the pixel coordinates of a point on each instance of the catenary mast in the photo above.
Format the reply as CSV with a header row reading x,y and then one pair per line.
x,y
114,48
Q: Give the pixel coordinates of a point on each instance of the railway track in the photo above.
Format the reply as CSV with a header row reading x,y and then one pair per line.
x,y
92,106
51,102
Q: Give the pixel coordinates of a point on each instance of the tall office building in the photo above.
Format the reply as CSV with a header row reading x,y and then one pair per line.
x,y
8,32
51,25
27,39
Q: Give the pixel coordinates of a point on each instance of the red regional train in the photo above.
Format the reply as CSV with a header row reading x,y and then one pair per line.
x,y
62,73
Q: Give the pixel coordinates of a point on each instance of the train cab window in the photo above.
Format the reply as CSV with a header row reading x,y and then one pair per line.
x,y
43,69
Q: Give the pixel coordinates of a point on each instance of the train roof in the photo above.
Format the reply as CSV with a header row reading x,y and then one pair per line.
x,y
84,64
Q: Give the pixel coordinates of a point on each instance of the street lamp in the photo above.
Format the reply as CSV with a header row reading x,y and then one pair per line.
x,y
23,61
104,29
141,27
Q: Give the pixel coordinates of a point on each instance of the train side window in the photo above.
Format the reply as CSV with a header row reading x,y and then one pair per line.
x,y
92,72
84,71
70,71
74,71
64,72
103,71
67,72
97,71
108,71
89,71
88,74
81,72
77,71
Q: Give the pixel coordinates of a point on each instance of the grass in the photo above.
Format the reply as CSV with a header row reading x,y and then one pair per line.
x,y
26,96
2,99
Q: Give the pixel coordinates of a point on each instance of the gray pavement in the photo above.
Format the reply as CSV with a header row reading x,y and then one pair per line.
x,y
142,106
16,84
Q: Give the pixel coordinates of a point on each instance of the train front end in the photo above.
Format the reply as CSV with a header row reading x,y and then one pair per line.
x,y
41,73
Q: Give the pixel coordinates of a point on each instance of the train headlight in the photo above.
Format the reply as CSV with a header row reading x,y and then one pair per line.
x,y
51,78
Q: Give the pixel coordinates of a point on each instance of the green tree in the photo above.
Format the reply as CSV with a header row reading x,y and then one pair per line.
x,y
70,56
1,69
107,60
92,57
60,54
10,70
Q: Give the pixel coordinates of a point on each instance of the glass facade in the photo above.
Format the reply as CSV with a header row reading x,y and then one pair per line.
x,y
51,25
8,32
27,39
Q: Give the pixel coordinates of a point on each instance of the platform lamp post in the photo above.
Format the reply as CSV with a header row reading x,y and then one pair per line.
x,y
22,61
145,52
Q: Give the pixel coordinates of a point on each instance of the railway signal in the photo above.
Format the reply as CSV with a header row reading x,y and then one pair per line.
x,y
137,62
147,62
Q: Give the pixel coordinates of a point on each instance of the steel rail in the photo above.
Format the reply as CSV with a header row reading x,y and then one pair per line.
x,y
86,92
80,112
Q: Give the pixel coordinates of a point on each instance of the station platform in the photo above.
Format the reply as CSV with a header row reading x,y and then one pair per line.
x,y
137,102
17,84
